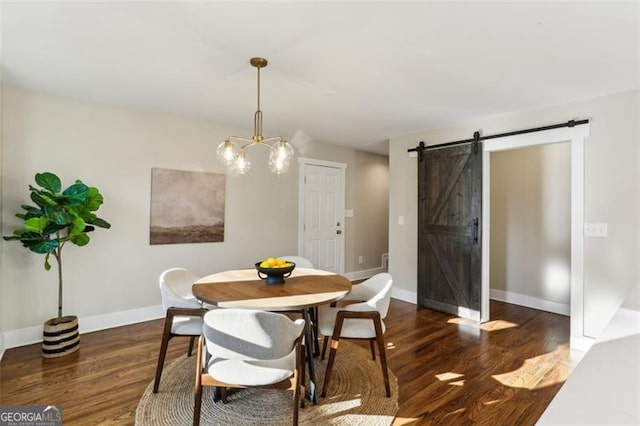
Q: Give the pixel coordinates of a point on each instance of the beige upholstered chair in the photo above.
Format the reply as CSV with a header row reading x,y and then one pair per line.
x,y
359,321
249,348
183,312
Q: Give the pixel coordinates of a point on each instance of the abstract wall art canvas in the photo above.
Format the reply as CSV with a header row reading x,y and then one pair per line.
x,y
186,207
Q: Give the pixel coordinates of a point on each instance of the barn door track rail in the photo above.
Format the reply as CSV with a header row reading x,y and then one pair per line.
x,y
477,138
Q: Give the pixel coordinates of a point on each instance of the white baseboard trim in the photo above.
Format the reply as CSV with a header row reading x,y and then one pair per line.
x,y
365,273
30,335
581,343
405,295
22,336
530,302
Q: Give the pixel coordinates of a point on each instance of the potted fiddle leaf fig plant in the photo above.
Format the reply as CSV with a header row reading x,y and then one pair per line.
x,y
58,217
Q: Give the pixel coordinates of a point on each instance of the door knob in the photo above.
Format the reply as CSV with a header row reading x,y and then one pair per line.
x,y
338,232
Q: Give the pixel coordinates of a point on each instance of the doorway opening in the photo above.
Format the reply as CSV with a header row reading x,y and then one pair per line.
x,y
575,136
530,220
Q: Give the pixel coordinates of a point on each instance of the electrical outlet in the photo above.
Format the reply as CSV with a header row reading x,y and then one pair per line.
x,y
360,260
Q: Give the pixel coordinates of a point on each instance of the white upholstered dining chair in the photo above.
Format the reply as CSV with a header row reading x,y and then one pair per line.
x,y
361,320
183,312
249,348
301,262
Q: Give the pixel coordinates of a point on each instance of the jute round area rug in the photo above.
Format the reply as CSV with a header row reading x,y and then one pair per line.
x,y
355,397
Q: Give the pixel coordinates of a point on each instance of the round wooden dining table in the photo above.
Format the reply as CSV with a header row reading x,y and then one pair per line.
x,y
242,288
303,290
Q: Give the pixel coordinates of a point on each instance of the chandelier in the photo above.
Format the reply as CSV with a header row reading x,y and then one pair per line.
x,y
232,152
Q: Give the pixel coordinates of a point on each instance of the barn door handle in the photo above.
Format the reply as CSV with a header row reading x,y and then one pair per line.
x,y
475,230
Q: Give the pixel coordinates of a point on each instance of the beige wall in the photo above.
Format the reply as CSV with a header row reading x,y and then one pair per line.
x,y
1,246
531,222
114,149
371,197
611,195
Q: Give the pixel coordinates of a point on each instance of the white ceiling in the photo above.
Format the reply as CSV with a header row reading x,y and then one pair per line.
x,y
351,73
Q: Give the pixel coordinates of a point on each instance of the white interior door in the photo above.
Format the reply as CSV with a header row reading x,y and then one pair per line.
x,y
322,214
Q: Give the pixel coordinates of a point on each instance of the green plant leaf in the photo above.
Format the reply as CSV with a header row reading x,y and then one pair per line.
x,y
44,246
36,224
31,212
52,228
42,200
78,226
58,215
101,223
84,213
47,265
89,228
76,192
49,181
30,209
24,234
94,199
79,239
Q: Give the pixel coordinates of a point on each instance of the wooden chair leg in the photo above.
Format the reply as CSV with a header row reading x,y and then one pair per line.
x,y
223,395
191,340
197,394
166,336
197,403
324,347
383,355
335,341
373,349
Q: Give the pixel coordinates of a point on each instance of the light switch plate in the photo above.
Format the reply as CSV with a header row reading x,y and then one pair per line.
x,y
599,230
400,220
348,213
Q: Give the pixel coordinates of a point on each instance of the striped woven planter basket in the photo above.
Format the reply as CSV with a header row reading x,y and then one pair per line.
x,y
60,337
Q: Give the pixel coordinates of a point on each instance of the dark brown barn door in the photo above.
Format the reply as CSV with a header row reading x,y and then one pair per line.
x,y
449,220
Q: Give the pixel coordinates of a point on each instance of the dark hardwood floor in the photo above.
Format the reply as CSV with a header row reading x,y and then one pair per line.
x,y
450,371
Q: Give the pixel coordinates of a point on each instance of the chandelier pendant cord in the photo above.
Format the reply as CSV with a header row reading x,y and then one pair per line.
x,y
257,121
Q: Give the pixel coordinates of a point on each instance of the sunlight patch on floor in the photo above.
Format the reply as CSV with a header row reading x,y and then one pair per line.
x,y
402,421
443,377
486,326
453,413
342,406
534,372
363,419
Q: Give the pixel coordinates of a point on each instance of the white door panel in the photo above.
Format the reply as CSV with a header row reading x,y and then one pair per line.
x,y
323,216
